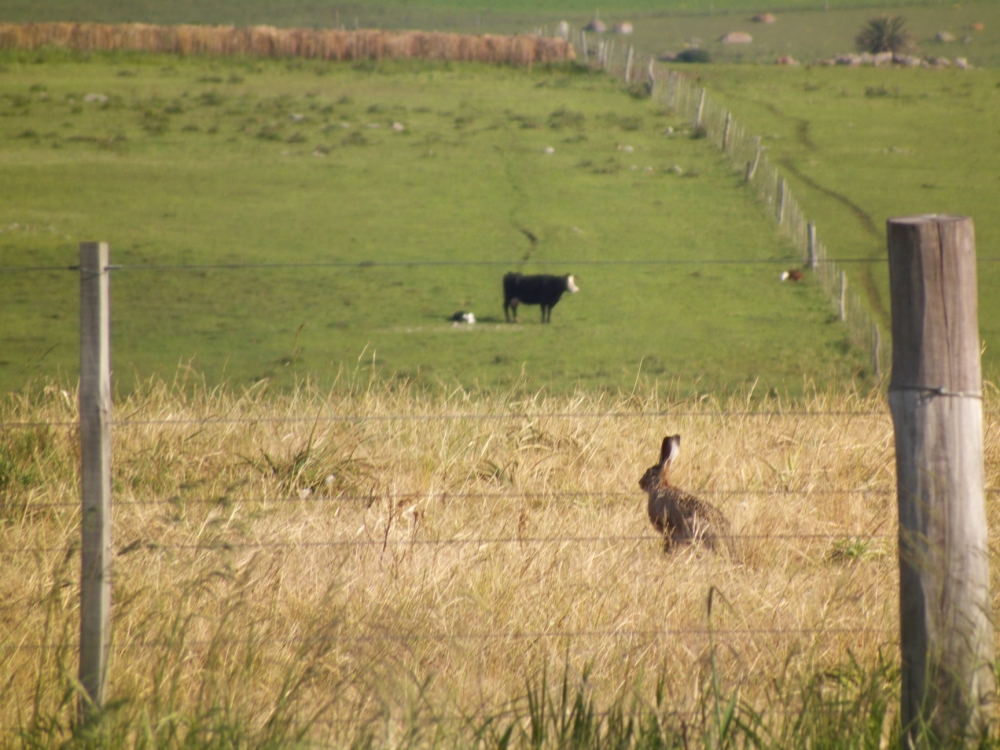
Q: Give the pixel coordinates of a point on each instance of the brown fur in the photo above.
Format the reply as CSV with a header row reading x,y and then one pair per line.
x,y
680,517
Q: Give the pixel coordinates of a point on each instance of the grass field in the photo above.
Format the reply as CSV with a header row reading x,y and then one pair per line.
x,y
207,162
408,576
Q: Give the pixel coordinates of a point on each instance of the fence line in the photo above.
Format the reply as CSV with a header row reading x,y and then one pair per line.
x,y
745,152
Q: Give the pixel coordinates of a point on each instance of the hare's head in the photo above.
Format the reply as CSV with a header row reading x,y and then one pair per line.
x,y
659,475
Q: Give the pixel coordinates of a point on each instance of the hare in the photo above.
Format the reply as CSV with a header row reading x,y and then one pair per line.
x,y
680,517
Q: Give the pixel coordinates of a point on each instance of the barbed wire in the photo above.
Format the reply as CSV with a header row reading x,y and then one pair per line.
x,y
457,417
440,263
485,636
308,495
510,416
229,546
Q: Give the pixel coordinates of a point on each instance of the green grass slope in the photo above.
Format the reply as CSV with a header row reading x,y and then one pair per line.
x,y
200,163
862,145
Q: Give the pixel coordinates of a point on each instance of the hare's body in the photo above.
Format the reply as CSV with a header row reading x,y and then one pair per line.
x,y
680,517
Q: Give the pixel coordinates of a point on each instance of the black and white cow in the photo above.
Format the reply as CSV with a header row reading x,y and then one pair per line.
x,y
543,289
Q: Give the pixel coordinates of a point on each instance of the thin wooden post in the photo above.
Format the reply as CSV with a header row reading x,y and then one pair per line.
x,y
752,165
842,306
628,64
671,88
651,73
781,200
935,394
813,259
725,131
876,346
95,473
701,108
583,45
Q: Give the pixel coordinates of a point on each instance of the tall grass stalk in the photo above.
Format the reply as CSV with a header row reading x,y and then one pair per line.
x,y
377,566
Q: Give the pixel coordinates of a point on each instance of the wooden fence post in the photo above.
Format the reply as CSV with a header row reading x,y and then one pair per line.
x,y
781,201
842,305
651,73
628,64
671,89
946,632
701,107
752,165
95,473
876,346
725,132
813,260
583,46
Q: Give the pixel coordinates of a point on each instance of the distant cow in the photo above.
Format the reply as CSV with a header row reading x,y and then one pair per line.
x,y
793,275
543,289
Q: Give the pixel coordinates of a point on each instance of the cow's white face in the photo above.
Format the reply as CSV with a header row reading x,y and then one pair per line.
x,y
571,286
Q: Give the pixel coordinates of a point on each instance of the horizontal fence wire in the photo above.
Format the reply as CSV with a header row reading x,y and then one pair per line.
x,y
226,545
436,263
509,416
311,496
512,635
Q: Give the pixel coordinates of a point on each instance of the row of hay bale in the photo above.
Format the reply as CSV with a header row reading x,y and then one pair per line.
x,y
268,41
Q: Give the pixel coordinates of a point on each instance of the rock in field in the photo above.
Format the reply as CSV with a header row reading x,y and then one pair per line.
x,y
736,37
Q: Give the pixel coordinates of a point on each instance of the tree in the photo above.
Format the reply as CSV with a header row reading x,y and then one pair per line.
x,y
884,34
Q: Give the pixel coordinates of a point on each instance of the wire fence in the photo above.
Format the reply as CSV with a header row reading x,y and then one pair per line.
x,y
746,153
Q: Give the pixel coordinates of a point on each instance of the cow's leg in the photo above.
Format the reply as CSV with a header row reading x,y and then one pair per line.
x,y
506,311
546,314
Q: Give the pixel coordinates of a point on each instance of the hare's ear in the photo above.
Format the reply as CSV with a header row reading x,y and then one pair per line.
x,y
671,447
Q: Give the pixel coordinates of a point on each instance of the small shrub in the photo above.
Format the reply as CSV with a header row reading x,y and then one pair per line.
x,y
564,118
639,90
694,55
355,139
884,34
210,99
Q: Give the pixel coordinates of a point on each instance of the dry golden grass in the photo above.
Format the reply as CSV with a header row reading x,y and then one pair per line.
x,y
268,41
374,551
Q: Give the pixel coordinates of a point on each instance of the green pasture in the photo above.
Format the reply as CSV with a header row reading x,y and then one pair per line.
x,y
861,145
199,163
805,29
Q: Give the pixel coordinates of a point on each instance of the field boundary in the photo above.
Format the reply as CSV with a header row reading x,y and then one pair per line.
x,y
268,41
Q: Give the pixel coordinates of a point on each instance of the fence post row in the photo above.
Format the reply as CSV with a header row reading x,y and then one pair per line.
x,y
95,473
935,395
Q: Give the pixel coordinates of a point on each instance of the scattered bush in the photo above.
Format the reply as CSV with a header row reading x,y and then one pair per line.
x,y
694,55
884,34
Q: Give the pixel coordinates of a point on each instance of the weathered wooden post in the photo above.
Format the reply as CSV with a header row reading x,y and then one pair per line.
x,y
583,46
876,346
671,89
781,201
842,305
935,394
95,474
725,131
813,260
752,165
701,108
628,64
651,75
